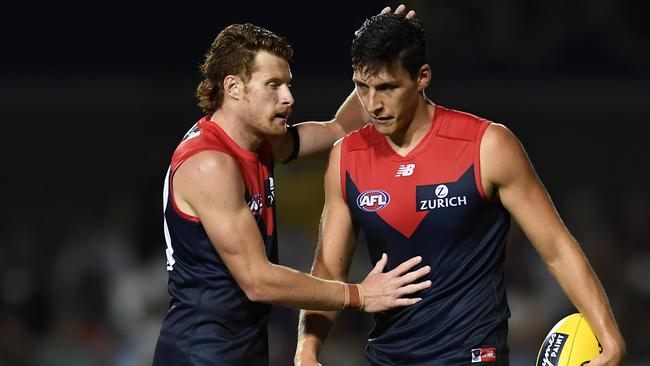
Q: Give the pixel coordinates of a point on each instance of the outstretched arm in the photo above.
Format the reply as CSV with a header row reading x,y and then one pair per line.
x,y
317,138
507,173
228,221
336,244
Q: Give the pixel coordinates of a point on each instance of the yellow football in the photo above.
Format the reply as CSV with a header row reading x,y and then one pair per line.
x,y
571,342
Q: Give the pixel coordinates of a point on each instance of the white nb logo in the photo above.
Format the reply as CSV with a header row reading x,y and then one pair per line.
x,y
405,170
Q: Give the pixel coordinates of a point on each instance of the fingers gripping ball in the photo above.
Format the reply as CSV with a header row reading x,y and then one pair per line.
x,y
571,342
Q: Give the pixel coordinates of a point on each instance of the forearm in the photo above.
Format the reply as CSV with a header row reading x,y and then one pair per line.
x,y
313,329
287,287
314,326
350,115
318,137
576,277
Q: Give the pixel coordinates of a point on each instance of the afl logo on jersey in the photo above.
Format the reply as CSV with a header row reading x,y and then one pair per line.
x,y
256,203
374,200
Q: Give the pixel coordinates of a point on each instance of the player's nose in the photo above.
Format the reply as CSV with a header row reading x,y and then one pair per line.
x,y
286,98
375,106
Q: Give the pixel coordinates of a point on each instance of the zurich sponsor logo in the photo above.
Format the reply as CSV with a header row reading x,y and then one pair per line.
x,y
433,197
442,191
373,200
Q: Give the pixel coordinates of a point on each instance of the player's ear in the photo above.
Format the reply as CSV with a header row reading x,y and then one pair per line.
x,y
424,77
233,86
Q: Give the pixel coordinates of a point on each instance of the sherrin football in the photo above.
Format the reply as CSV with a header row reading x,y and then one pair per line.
x,y
571,342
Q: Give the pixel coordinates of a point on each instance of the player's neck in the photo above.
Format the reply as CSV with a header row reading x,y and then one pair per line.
x,y
406,139
237,129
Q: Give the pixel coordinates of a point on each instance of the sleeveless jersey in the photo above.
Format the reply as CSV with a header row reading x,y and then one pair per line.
x,y
210,320
431,203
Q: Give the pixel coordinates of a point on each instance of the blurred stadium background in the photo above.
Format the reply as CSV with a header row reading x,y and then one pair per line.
x,y
94,97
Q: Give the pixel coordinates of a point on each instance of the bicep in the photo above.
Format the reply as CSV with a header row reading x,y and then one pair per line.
x,y
337,236
521,192
212,185
314,139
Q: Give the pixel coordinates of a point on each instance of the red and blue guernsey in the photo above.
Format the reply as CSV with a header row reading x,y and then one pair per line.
x,y
210,320
431,203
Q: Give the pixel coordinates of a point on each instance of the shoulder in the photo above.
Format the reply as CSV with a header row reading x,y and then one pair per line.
x,y
361,139
502,155
456,124
208,167
498,139
202,136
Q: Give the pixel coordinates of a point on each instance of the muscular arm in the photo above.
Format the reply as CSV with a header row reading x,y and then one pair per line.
x,y
337,241
317,138
209,185
233,232
508,175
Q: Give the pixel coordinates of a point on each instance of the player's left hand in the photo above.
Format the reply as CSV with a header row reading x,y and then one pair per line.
x,y
387,290
401,9
613,353
611,356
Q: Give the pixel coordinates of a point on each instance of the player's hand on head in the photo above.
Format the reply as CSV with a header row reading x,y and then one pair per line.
x,y
384,291
401,10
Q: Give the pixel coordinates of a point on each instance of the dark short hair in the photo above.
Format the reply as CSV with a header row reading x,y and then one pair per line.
x,y
233,53
383,40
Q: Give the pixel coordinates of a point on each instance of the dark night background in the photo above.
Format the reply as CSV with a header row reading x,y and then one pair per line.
x,y
94,97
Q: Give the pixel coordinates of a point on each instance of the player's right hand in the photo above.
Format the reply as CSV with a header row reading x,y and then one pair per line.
x,y
401,9
384,291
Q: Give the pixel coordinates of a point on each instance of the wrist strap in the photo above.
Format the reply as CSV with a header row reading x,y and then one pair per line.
x,y
353,297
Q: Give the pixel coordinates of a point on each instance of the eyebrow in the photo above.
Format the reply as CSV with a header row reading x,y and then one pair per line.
x,y
382,85
278,80
359,82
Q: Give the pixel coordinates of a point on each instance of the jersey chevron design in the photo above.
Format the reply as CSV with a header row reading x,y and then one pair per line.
x,y
437,211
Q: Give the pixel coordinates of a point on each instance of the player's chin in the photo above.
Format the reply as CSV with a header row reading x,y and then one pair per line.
x,y
278,126
384,128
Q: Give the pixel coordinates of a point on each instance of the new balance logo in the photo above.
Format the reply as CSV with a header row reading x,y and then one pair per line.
x,y
405,170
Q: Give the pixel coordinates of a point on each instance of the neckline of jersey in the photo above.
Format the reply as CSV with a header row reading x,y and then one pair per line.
x,y
422,145
252,156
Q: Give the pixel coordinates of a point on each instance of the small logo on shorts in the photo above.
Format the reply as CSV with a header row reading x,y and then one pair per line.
x,y
484,355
